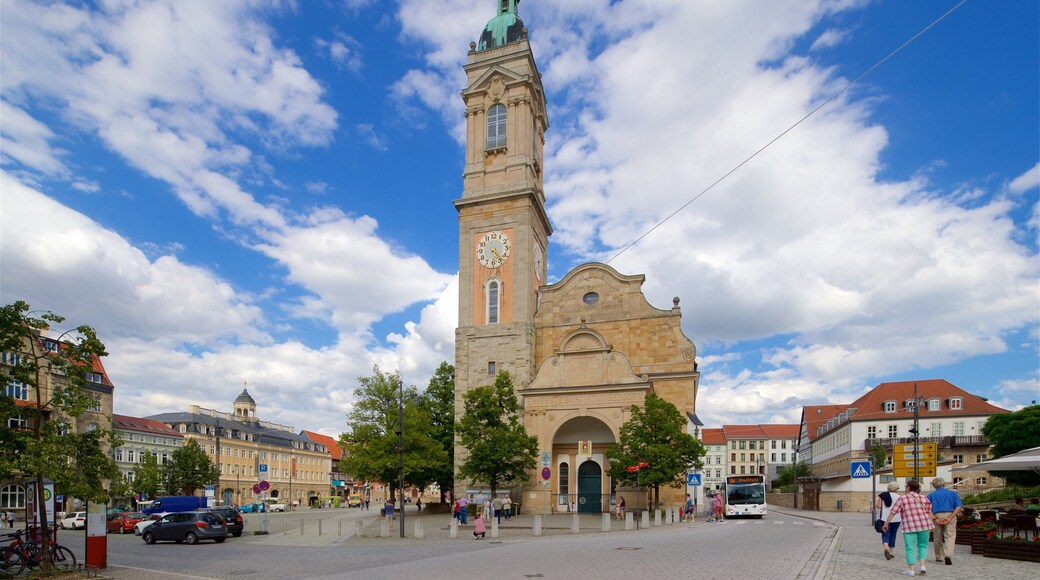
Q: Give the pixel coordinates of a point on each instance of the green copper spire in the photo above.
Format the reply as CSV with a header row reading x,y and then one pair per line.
x,y
504,28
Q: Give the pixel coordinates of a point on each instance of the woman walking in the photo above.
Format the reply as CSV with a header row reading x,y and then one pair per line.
x,y
915,511
885,501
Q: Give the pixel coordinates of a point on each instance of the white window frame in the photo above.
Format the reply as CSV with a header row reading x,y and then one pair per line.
x,y
12,496
493,304
890,406
934,404
17,390
956,403
496,127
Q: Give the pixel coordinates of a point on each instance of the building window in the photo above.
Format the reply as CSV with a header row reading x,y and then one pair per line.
x,y
980,481
742,444
980,458
890,406
119,454
936,430
733,457
772,444
492,301
17,390
933,404
872,432
130,455
783,445
886,478
742,467
491,368
564,483
958,428
496,126
783,457
893,430
183,428
96,405
742,457
733,469
94,377
732,444
12,497
957,403
17,422
10,358
959,458
910,404
772,457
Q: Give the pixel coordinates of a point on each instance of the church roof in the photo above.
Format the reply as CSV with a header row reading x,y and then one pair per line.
x,y
245,398
504,28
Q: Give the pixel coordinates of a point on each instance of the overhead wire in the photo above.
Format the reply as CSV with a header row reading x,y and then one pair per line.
x,y
789,129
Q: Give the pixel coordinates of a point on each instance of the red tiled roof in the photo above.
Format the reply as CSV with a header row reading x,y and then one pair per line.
x,y
781,431
872,404
142,425
327,441
816,415
713,437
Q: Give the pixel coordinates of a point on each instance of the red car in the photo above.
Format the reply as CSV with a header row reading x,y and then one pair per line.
x,y
124,523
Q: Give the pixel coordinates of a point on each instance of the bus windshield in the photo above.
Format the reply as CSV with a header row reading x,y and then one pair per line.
x,y
743,494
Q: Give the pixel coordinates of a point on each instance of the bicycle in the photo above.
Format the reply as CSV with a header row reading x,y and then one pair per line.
x,y
20,555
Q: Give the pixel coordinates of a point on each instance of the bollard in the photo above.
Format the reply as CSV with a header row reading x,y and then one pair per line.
x,y
301,527
359,529
668,517
339,527
419,529
645,523
494,527
538,525
657,518
384,529
630,523
319,527
453,529
605,526
283,527
575,523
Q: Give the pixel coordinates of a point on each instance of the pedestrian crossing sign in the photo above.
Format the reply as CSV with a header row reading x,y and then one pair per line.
x,y
860,469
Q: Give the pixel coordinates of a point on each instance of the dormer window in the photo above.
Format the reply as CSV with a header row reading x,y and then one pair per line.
x,y
934,404
50,346
910,404
890,406
956,403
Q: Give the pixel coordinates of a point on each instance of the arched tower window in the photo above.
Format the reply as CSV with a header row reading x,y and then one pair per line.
x,y
496,126
494,299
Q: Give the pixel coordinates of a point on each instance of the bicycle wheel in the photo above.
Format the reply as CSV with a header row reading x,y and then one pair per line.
x,y
62,558
11,563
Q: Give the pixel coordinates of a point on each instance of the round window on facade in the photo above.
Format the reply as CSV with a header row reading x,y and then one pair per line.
x,y
590,299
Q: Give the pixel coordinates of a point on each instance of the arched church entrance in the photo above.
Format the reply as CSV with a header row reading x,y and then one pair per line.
x,y
581,484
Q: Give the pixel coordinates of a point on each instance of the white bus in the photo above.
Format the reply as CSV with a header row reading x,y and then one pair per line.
x,y
745,495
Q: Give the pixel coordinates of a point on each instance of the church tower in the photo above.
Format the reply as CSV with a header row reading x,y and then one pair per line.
x,y
503,227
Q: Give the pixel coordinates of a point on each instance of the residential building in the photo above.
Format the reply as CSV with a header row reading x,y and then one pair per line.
x,y
140,436
98,385
948,416
761,449
340,484
781,448
247,450
715,464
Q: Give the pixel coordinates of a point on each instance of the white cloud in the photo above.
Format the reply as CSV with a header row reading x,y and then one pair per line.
x,y
27,141
829,39
1028,180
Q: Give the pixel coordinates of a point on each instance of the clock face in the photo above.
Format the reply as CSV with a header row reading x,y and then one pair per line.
x,y
493,249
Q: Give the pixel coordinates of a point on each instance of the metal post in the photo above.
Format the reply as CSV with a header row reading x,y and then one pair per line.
x,y
917,434
400,448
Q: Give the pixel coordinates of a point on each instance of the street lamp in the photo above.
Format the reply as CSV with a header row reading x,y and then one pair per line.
x,y
400,448
916,432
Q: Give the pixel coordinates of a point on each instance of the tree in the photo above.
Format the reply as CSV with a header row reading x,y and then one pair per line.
x,y
147,476
1013,432
654,435
439,400
189,468
500,450
789,475
878,457
371,445
51,376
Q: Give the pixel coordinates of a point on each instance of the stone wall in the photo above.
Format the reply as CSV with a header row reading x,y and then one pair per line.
x,y
853,501
780,499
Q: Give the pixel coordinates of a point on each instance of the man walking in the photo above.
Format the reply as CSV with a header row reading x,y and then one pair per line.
x,y
946,506
463,507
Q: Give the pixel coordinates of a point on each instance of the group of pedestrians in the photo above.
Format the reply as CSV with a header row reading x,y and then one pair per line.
x,y
917,515
717,505
7,519
499,507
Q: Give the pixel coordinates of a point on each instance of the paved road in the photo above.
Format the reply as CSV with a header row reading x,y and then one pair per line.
x,y
786,544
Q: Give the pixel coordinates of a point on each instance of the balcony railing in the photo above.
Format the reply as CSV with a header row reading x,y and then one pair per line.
x,y
940,442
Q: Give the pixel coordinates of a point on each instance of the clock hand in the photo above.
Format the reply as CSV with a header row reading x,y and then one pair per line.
x,y
495,253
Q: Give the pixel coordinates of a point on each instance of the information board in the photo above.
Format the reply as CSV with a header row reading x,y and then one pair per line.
x,y
903,463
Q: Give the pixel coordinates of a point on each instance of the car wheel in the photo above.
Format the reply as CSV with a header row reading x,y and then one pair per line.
x,y
137,532
237,534
191,538
219,540
122,530
149,538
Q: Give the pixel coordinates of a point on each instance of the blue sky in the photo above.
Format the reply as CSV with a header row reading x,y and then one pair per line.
x,y
260,192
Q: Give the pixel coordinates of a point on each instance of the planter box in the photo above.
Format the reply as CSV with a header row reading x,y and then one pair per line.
x,y
1011,550
973,538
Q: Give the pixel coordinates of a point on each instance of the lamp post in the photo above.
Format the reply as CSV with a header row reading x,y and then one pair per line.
x,y
400,448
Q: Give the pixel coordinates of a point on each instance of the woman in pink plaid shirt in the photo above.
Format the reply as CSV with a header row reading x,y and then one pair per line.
x,y
916,513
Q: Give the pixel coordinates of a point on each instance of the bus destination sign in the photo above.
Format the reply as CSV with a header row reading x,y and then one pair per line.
x,y
734,479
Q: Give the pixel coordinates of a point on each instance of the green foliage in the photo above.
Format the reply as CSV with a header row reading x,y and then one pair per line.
x,y
789,476
189,468
147,476
655,435
1007,494
371,445
439,400
878,456
500,450
1013,432
54,444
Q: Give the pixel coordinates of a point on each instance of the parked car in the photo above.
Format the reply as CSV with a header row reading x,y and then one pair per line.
x,y
188,527
74,521
141,525
355,501
175,503
233,519
124,522
251,508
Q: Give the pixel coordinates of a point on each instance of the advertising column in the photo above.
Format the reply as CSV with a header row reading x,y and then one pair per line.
x,y
97,535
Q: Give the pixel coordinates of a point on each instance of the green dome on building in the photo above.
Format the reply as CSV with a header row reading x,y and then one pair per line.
x,y
503,29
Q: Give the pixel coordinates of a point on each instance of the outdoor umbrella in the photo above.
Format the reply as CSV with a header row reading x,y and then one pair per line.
x,y
1027,460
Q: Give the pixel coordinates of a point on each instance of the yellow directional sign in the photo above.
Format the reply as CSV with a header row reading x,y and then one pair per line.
x,y
903,463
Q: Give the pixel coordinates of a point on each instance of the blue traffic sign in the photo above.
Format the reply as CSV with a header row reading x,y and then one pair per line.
x,y
860,469
693,479
263,468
